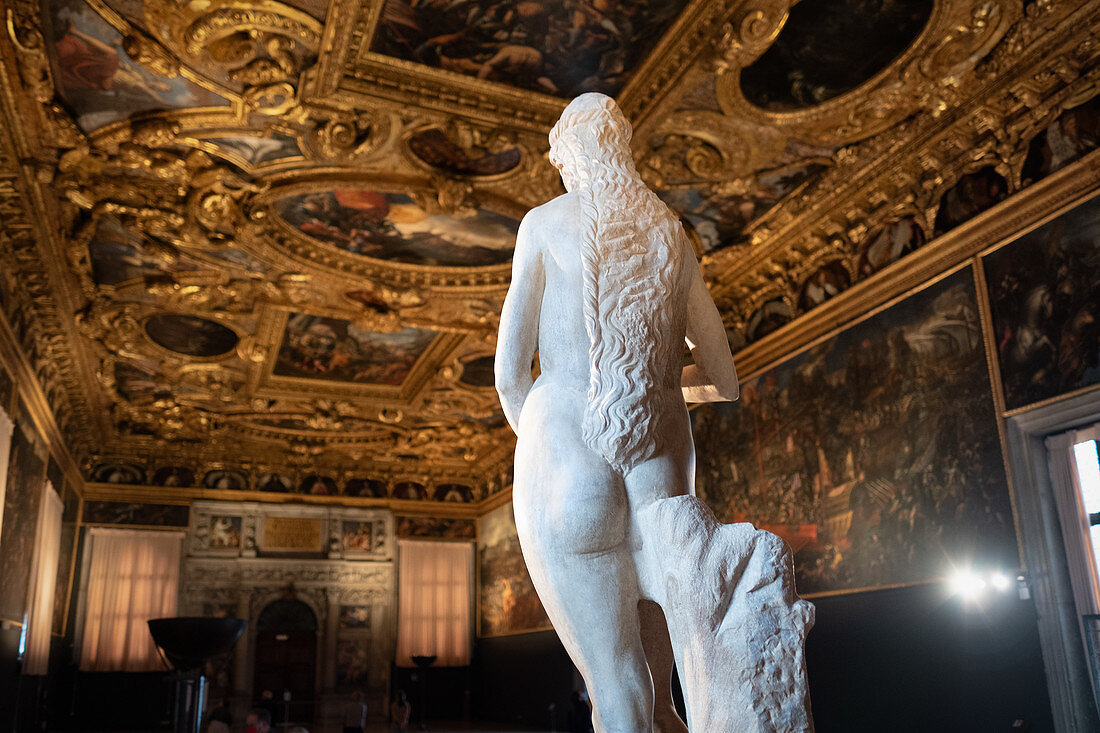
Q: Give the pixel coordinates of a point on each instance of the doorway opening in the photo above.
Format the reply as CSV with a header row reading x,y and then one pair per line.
x,y
286,661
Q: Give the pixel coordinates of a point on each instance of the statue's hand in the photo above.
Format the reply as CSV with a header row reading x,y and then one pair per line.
x,y
513,393
698,387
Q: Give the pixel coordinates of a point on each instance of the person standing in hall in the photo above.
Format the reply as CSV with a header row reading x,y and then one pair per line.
x,y
400,712
355,713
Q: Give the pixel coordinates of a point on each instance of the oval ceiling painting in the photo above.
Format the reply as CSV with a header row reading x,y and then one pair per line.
x,y
190,336
829,47
391,226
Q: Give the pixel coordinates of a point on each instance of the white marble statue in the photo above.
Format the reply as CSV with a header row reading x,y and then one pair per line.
x,y
606,288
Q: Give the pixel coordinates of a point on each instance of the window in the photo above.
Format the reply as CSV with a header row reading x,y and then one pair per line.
x,y
1076,489
434,602
133,576
44,579
1088,487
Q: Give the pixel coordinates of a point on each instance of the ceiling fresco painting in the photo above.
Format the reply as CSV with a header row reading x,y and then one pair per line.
x,y
973,194
435,149
253,150
827,48
118,255
286,235
563,49
393,227
721,213
97,78
315,347
191,336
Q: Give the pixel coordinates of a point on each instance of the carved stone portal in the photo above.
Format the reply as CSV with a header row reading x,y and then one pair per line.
x,y
242,557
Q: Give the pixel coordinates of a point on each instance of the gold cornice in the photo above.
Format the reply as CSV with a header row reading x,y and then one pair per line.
x,y
753,24
28,389
186,496
990,230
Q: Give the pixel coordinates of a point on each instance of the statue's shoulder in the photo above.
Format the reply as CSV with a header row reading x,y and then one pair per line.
x,y
557,212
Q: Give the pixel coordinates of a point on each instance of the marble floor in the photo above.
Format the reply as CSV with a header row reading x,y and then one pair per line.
x,y
440,727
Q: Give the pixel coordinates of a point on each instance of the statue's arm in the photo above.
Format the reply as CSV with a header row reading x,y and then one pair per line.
x,y
713,377
518,336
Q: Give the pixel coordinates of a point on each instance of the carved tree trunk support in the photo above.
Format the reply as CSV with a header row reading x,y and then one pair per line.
x,y
736,624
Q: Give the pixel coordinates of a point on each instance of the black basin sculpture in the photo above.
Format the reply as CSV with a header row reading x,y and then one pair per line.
x,y
190,641
188,644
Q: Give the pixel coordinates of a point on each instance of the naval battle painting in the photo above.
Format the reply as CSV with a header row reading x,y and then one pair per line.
x,y
874,453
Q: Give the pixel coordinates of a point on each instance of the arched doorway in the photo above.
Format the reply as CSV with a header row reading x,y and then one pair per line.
x,y
286,659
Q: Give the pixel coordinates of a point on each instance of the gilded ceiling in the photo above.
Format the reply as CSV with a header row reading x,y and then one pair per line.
x,y
253,245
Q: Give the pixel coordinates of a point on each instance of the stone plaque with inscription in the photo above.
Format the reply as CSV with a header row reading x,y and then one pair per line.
x,y
292,534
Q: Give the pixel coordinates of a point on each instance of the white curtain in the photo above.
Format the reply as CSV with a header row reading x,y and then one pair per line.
x,y
40,617
7,427
133,576
434,601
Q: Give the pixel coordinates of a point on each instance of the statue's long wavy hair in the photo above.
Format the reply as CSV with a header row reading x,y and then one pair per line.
x,y
632,254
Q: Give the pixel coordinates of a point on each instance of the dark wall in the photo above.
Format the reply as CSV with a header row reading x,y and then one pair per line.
x,y
518,677
447,695
899,660
9,675
912,659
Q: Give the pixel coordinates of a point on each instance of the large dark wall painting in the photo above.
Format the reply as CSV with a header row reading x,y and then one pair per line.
x,y
391,226
554,48
1044,293
875,453
26,474
507,601
334,350
828,47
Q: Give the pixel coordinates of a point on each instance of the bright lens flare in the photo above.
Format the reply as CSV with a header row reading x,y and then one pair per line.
x,y
967,585
970,586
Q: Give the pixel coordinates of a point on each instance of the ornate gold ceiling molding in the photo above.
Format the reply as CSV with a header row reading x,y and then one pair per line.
x,y
256,50
907,171
927,78
1007,221
40,330
736,30
29,389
